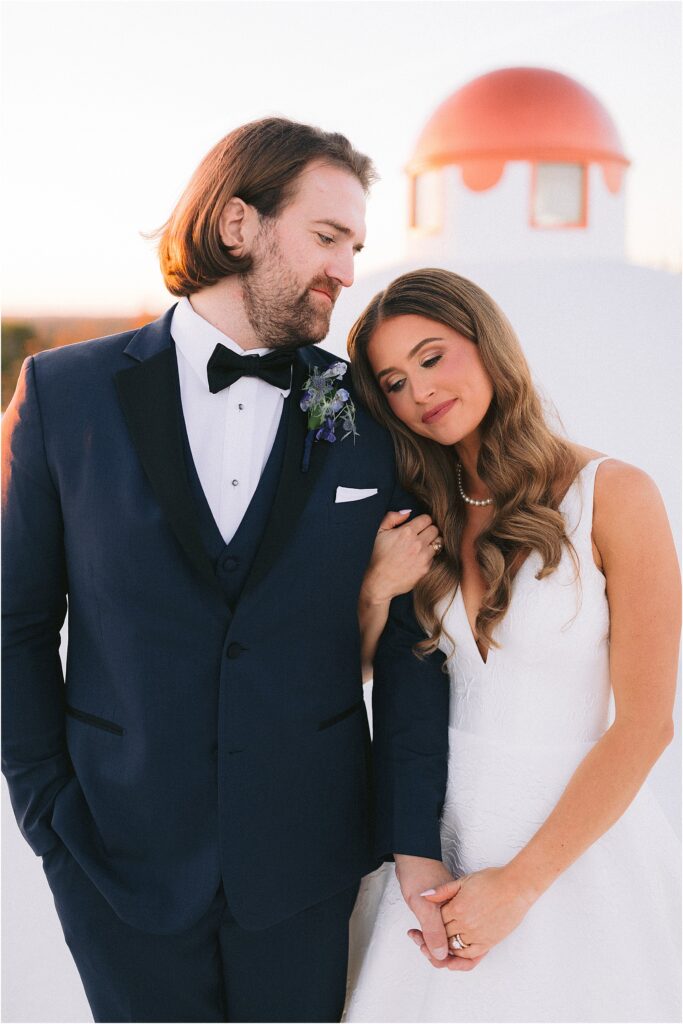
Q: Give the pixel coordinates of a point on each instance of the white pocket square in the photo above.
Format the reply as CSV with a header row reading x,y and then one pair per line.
x,y
354,493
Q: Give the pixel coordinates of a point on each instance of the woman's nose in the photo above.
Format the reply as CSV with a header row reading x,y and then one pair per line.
x,y
423,392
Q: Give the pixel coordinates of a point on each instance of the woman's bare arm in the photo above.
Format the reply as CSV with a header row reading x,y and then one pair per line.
x,y
632,534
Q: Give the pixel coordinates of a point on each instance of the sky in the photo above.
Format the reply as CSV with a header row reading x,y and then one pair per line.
x,y
109,106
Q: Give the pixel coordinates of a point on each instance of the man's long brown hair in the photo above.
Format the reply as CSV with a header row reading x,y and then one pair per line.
x,y
526,467
259,163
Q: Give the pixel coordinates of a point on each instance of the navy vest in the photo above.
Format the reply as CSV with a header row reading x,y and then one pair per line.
x,y
232,561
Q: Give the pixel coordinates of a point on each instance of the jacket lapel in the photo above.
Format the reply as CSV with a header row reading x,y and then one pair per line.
x,y
148,393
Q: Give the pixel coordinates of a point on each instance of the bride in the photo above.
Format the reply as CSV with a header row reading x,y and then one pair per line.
x,y
555,588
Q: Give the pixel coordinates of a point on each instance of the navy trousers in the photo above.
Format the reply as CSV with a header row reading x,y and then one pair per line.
x,y
215,971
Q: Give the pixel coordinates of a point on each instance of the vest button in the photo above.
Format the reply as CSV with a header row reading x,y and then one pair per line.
x,y
234,650
228,563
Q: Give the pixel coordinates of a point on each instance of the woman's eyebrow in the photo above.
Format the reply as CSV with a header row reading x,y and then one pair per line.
x,y
413,351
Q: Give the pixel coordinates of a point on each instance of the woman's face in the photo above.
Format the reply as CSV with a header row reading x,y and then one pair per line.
x,y
432,377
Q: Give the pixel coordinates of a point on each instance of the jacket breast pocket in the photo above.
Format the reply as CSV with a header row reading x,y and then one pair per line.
x,y
359,510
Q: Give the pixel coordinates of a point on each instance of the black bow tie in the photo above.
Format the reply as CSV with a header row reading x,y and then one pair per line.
x,y
225,367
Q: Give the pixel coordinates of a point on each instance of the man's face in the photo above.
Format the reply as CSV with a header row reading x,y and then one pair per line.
x,y
304,257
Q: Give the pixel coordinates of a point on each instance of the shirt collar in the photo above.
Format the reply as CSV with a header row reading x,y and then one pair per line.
x,y
197,338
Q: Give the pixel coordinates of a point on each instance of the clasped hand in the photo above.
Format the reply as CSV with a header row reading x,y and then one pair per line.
x,y
481,908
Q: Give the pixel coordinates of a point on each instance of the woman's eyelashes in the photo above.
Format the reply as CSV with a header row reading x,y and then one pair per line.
x,y
398,384
325,239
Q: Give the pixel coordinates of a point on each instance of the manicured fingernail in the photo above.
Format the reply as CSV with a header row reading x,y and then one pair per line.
x,y
415,939
441,953
405,511
428,892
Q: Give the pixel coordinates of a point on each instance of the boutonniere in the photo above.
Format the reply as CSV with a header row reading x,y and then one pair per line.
x,y
326,404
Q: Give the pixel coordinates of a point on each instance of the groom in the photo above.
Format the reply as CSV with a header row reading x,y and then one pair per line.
x,y
199,785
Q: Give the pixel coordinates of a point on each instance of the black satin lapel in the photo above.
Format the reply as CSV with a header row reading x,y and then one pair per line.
x,y
148,395
294,488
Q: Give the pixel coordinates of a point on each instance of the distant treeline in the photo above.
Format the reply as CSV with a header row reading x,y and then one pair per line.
x,y
24,336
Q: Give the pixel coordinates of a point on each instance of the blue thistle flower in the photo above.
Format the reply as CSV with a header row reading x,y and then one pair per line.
x,y
325,405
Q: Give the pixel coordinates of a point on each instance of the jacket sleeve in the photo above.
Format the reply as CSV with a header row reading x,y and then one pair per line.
x,y
35,758
410,734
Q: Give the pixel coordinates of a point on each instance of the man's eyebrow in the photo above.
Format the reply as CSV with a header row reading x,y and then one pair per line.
x,y
413,351
342,231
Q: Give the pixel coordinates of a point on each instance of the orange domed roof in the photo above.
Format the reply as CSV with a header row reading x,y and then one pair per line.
x,y
518,114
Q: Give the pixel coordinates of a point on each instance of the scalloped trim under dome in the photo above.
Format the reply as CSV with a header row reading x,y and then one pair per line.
x,y
479,175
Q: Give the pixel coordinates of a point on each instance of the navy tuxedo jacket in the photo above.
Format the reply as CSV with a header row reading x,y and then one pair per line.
x,y
201,734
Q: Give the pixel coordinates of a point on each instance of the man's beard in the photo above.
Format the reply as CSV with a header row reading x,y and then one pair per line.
x,y
281,314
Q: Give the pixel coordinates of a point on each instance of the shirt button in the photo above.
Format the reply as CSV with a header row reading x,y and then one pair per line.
x,y
235,483
240,406
234,650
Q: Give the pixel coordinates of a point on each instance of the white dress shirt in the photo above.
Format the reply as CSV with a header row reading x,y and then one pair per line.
x,y
231,433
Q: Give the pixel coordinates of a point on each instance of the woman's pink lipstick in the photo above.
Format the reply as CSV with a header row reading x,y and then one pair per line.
x,y
438,412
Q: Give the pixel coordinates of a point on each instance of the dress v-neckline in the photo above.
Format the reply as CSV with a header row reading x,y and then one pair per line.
x,y
468,629
466,621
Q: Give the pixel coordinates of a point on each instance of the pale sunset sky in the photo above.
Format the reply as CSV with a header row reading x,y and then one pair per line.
x,y
109,106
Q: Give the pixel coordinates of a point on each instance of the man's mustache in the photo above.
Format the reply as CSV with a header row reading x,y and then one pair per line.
x,y
326,285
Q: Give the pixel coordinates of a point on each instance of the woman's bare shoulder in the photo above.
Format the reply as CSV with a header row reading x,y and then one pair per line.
x,y
627,507
618,481
615,477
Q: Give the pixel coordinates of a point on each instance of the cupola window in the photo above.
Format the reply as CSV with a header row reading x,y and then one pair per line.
x,y
558,195
428,201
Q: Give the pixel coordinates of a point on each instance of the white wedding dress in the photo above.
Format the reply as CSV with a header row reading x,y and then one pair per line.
x,y
602,944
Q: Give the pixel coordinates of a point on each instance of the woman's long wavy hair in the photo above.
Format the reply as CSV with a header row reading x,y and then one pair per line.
x,y
526,466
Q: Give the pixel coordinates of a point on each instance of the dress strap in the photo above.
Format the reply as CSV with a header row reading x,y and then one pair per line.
x,y
579,514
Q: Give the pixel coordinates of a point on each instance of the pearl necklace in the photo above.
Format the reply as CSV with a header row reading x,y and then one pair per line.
x,y
469,501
